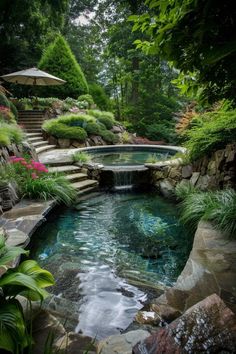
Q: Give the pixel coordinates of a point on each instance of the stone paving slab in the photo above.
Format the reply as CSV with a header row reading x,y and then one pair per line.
x,y
23,219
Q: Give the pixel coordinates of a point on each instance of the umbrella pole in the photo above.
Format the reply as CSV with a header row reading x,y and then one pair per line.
x,y
36,97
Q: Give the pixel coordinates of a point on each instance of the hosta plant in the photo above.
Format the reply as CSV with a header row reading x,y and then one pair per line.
x,y
27,280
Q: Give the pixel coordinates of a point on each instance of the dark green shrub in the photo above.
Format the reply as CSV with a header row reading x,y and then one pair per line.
x,y
59,60
60,130
86,98
106,118
109,137
76,120
106,121
13,110
161,131
99,96
94,128
4,101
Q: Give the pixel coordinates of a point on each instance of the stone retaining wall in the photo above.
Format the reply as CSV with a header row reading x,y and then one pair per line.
x,y
217,171
8,190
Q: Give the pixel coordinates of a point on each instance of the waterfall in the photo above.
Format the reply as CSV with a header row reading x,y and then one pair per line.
x,y
123,179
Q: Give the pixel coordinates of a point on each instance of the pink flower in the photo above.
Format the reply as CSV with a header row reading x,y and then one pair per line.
x,y
30,167
34,176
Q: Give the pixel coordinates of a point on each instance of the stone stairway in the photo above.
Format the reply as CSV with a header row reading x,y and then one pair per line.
x,y
78,178
32,121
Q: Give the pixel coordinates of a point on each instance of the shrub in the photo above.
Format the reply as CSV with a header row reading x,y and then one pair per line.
x,y
219,207
99,96
74,120
106,118
4,101
94,112
94,128
211,131
109,137
61,130
86,98
59,60
14,110
161,131
6,115
81,156
106,121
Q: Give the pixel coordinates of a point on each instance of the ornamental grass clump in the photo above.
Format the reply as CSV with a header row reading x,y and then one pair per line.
x,y
218,207
35,181
10,133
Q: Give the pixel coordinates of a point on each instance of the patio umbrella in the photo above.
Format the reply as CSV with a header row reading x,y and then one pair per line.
x,y
34,77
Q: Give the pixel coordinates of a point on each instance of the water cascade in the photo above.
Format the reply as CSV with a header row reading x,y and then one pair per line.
x,y
123,179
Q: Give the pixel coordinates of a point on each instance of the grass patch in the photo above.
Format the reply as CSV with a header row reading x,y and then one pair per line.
x,y
218,207
81,156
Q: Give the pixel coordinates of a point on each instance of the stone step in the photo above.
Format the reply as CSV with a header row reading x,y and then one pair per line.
x,y
22,118
32,135
67,169
88,183
35,139
36,130
87,193
36,126
76,177
39,150
39,143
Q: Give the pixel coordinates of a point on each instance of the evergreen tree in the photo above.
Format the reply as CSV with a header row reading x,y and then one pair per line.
x,y
59,60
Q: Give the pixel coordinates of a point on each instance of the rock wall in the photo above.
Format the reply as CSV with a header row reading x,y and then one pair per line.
x,y
8,190
217,171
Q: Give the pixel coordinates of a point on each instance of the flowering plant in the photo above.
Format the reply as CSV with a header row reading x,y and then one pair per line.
x,y
28,168
6,114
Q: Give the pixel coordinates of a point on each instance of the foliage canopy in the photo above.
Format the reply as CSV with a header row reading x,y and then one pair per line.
x,y
198,37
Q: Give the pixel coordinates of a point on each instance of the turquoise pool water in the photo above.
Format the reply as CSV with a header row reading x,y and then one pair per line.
x,y
107,251
126,156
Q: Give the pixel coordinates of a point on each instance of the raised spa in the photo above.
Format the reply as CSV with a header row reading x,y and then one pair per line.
x,y
131,155
108,254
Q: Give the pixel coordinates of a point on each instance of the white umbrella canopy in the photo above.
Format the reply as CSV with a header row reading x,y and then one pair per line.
x,y
33,76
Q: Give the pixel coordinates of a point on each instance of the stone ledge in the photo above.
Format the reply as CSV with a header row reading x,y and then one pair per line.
x,y
23,219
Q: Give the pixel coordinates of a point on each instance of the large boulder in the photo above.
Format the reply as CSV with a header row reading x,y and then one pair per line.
x,y
207,327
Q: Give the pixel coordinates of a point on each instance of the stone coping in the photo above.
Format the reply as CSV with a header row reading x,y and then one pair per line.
x,y
23,219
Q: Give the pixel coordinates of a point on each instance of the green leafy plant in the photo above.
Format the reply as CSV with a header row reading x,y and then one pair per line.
x,y
27,280
81,156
